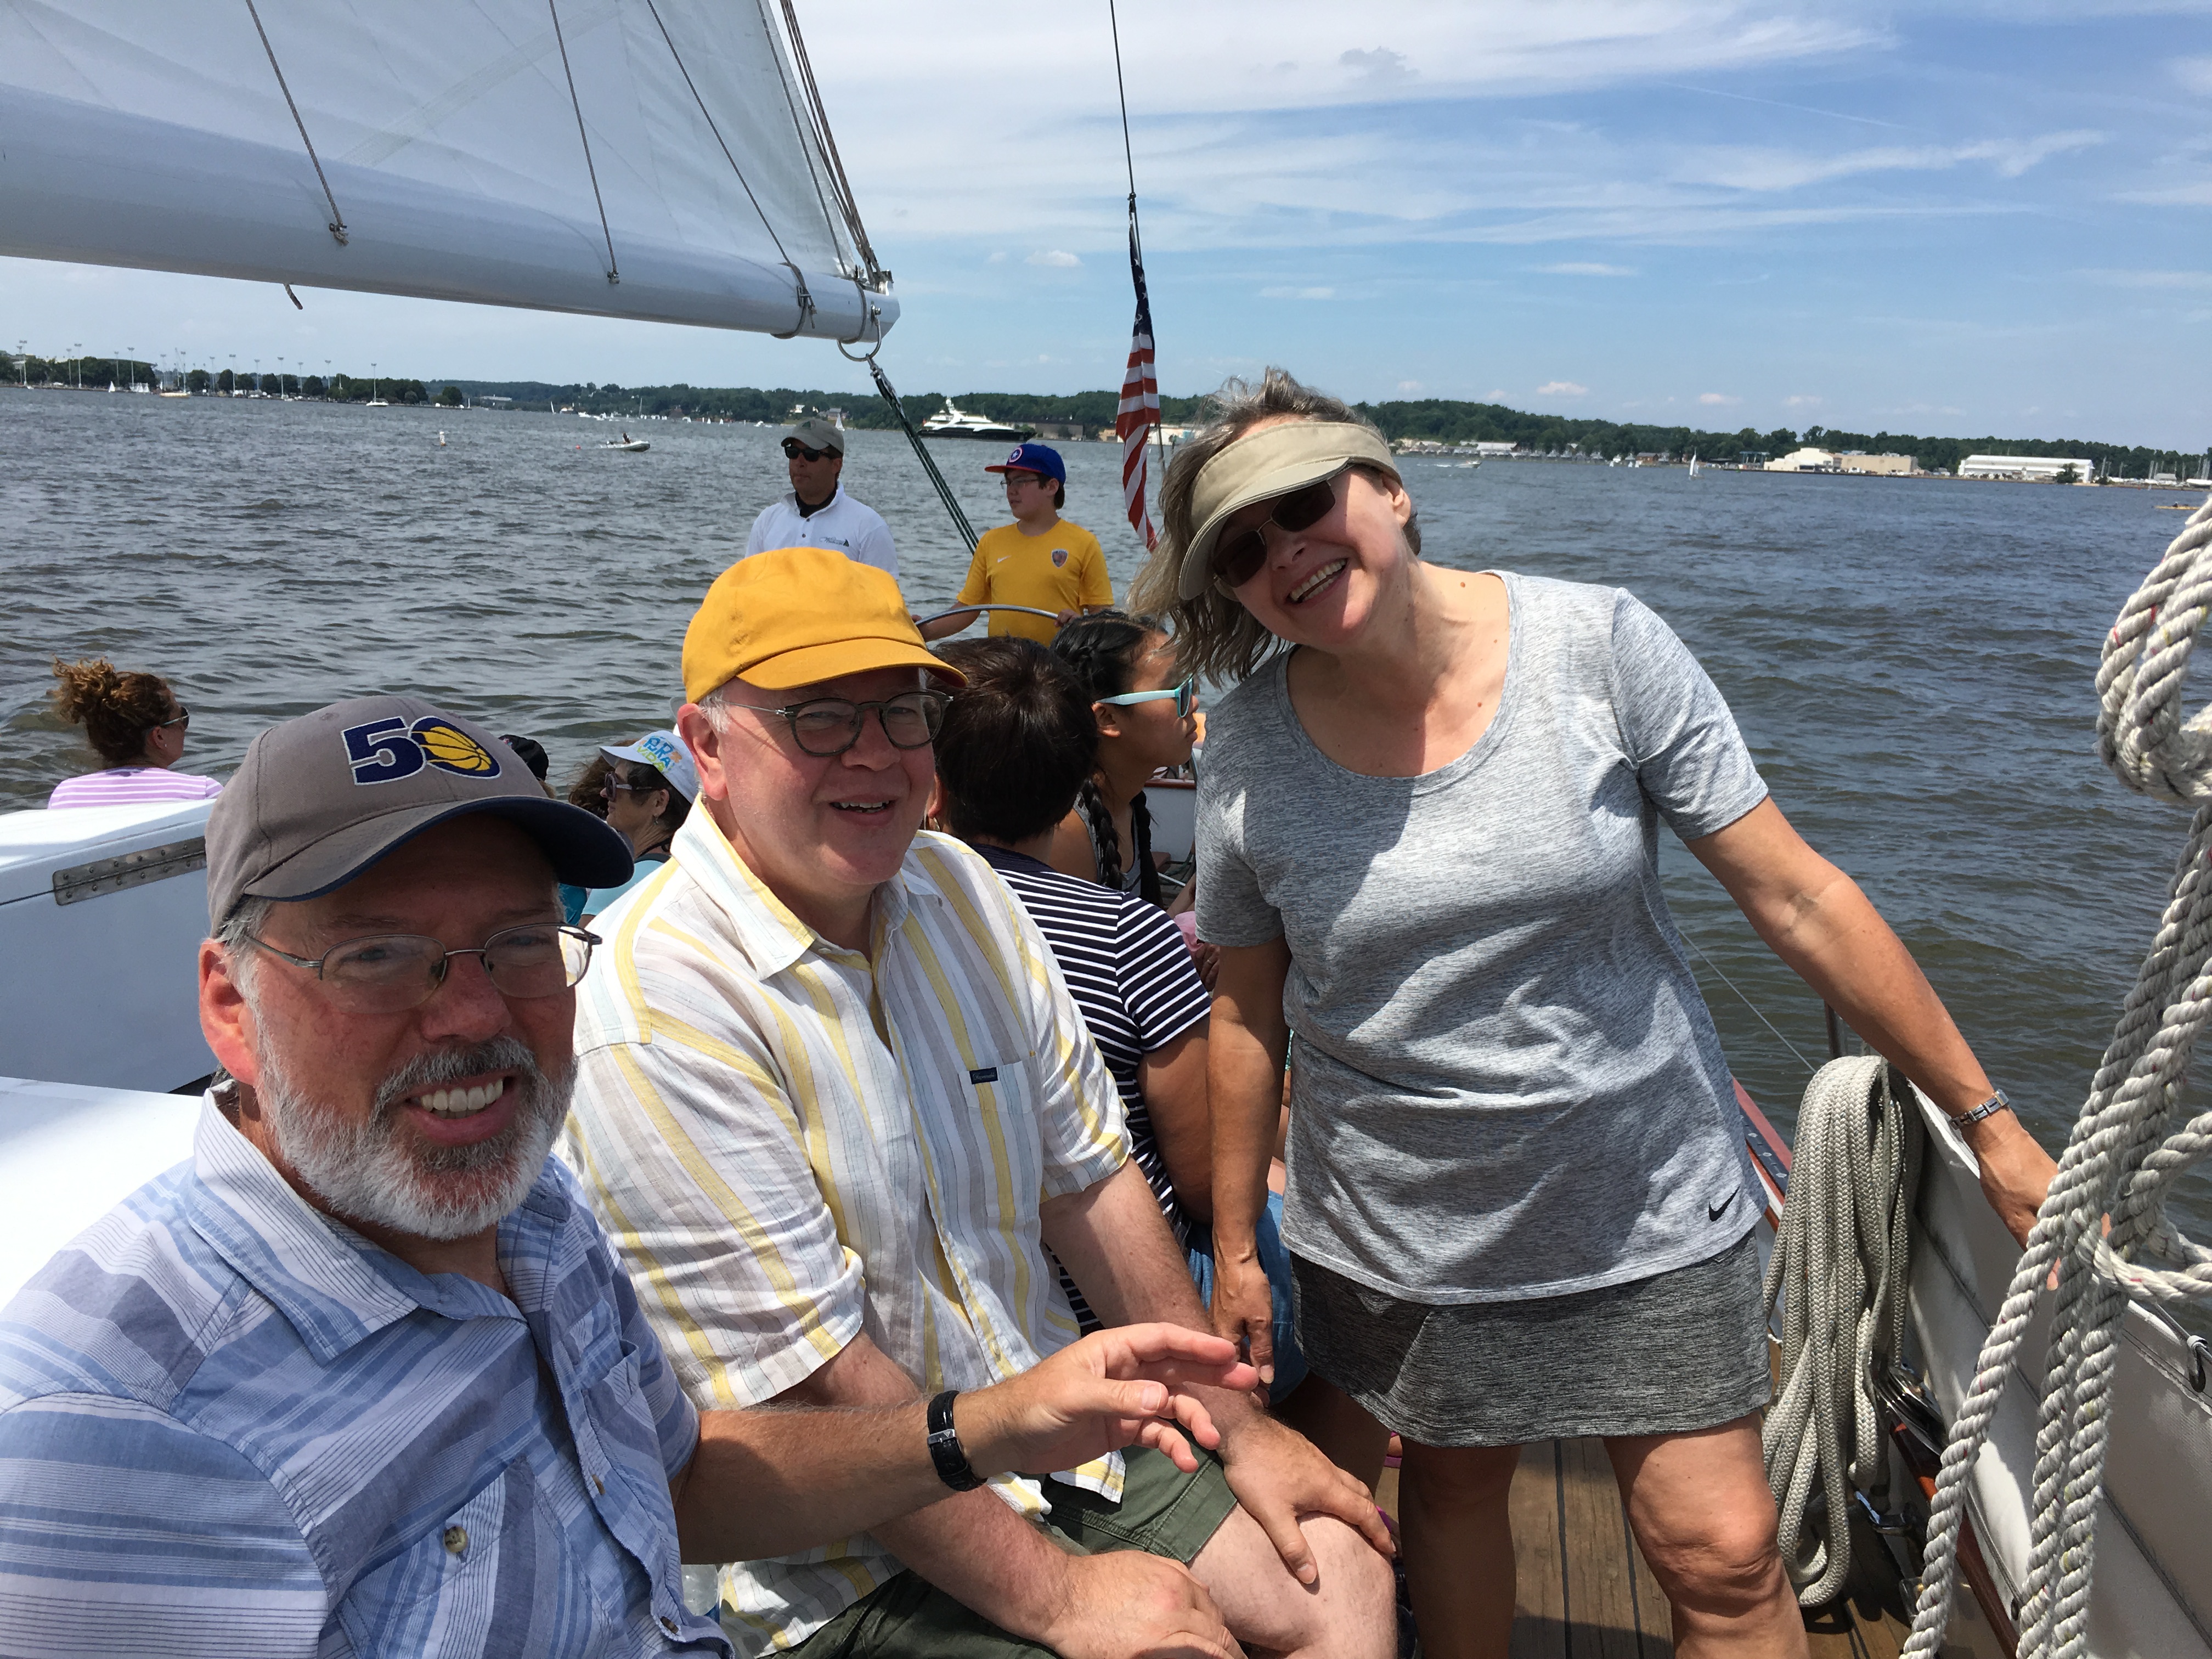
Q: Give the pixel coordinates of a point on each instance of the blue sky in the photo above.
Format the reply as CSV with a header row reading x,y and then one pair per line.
x,y
1959,217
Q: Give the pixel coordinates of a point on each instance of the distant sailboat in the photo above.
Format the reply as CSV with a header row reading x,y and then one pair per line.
x,y
1693,463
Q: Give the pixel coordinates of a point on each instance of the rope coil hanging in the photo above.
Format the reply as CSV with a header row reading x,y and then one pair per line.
x,y
2128,1148
1841,1271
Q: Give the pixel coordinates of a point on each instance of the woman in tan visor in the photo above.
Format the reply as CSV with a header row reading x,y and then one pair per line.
x,y
1520,1205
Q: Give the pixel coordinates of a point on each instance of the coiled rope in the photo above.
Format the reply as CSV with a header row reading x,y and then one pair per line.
x,y
2126,1150
1841,1270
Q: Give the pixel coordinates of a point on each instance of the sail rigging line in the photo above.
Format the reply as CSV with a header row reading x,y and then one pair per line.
x,y
2136,1137
806,151
840,186
337,225
920,448
614,274
1747,1002
707,116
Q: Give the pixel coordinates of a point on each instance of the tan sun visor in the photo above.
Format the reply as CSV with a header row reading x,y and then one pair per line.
x,y
1273,461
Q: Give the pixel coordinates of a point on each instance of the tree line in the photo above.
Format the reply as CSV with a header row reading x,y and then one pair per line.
x,y
1443,420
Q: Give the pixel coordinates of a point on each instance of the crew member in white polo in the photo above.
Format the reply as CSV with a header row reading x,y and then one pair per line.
x,y
815,512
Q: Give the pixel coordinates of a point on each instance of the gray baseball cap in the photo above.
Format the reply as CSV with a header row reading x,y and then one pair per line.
x,y
321,797
818,434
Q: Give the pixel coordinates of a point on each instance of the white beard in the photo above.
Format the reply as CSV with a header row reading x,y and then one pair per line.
x,y
361,1171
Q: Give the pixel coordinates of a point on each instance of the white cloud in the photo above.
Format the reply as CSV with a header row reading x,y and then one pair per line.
x,y
1801,400
1380,67
1496,395
997,259
1586,268
1561,389
2166,279
1717,399
2192,195
1746,169
1058,259
2194,73
1297,293
1409,386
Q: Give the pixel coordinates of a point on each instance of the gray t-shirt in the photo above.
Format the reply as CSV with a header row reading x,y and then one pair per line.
x,y
1507,1084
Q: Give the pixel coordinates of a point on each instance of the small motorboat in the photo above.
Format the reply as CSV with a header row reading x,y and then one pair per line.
x,y
634,446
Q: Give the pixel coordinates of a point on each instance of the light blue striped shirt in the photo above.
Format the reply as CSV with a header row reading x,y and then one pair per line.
x,y
230,1427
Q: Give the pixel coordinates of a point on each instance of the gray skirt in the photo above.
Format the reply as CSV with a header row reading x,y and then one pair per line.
x,y
1678,1352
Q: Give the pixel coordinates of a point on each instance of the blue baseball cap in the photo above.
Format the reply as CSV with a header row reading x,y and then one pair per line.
x,y
1039,459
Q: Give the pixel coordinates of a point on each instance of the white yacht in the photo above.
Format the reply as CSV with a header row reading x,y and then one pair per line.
x,y
952,422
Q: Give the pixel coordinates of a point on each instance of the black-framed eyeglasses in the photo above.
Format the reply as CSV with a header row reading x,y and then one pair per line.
x,y
792,449
1185,695
182,717
1237,559
830,725
391,973
1018,480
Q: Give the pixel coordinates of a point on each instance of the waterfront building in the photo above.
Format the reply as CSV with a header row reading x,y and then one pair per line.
x,y
1885,465
1807,460
2040,469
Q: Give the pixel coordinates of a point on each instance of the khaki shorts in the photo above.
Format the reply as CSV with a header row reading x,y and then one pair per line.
x,y
1163,1511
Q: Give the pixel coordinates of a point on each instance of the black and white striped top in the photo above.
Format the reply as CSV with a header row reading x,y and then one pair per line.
x,y
1130,973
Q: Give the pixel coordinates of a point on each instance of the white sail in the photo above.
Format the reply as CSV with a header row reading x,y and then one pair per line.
x,y
650,159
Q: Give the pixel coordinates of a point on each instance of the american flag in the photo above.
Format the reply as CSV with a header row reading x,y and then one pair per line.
x,y
1140,402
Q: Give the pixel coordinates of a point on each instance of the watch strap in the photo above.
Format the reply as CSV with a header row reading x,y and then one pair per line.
x,y
953,1468
1990,1108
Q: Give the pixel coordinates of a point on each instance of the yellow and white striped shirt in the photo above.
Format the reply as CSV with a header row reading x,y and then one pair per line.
x,y
791,1143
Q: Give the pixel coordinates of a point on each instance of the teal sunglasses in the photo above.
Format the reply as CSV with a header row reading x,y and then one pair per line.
x,y
1185,695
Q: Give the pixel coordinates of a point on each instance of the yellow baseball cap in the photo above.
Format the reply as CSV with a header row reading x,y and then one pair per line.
x,y
798,615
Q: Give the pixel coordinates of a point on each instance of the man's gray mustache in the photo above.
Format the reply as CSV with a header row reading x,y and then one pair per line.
x,y
450,1066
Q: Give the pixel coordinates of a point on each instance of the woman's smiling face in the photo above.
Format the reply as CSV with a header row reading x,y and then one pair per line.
x,y
1320,586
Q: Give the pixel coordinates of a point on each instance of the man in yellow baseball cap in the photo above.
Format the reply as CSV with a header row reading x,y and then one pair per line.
x,y
833,1102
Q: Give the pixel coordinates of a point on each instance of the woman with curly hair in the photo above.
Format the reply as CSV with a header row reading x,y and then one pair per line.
x,y
1519,1206
136,726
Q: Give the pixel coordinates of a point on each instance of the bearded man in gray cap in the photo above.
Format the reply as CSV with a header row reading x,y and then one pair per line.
x,y
362,1376
815,512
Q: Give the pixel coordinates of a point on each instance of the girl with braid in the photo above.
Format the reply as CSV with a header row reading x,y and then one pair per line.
x,y
1147,715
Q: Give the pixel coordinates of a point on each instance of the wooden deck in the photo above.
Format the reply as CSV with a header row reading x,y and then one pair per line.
x,y
1583,1588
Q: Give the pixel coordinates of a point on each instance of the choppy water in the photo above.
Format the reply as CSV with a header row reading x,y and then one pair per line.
x,y
1911,661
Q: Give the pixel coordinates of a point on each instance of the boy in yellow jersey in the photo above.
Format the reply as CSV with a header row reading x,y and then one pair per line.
x,y
1040,560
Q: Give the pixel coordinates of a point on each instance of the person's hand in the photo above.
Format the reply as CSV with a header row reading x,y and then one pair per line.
x,y
1123,1387
1244,1309
1206,959
1128,1605
2015,1170
1279,1475
1068,617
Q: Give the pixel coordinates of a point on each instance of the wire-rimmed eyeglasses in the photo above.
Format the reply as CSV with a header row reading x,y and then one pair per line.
x,y
391,973
830,725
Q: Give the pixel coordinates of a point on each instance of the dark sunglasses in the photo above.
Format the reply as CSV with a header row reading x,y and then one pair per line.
x,y
792,449
184,717
1237,559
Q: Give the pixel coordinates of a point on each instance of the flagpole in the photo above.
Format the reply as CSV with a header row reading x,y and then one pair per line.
x,y
1140,515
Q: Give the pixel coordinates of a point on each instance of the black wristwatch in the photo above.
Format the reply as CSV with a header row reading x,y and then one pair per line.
x,y
952,1465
